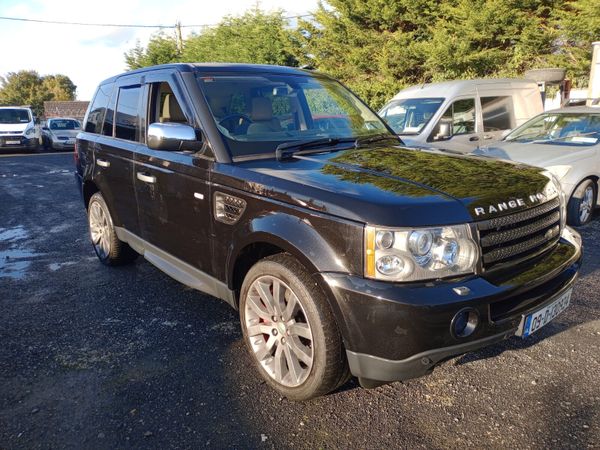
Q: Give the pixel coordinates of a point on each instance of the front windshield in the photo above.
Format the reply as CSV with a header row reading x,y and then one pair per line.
x,y
64,124
257,112
410,115
16,115
566,129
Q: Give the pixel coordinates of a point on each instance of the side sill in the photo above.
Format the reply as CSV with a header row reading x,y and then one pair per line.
x,y
178,269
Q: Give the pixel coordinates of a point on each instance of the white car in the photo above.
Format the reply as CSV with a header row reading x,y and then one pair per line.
x,y
567,143
18,128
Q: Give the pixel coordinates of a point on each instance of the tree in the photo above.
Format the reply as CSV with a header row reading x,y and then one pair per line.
x,y
27,87
255,37
161,49
378,47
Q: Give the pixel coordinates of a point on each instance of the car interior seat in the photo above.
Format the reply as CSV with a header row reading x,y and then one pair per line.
x,y
262,117
171,111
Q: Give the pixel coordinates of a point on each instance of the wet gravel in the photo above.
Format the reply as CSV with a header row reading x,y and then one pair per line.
x,y
97,357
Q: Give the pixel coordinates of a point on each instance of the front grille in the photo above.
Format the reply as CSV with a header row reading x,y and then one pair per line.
x,y
521,235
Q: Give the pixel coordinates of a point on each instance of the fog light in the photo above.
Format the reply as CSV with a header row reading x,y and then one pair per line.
x,y
464,323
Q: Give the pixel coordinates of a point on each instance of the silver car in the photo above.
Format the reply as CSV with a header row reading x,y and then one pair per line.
x,y
567,143
60,133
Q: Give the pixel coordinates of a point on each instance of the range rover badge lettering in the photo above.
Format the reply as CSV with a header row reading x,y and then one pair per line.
x,y
509,204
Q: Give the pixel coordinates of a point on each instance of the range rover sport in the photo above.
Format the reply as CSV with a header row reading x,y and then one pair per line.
x,y
278,191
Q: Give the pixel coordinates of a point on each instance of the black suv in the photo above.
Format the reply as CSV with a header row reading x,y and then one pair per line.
x,y
280,192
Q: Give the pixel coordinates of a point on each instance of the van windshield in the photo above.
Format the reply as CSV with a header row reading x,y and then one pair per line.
x,y
410,115
257,112
14,115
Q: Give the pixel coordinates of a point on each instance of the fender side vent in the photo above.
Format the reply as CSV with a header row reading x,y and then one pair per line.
x,y
228,209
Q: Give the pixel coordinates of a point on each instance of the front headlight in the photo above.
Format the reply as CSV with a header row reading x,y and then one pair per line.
x,y
409,254
29,131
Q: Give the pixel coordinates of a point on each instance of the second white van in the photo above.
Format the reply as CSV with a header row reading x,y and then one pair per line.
x,y
461,115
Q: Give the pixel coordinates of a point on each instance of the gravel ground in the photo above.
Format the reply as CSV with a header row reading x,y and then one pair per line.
x,y
98,357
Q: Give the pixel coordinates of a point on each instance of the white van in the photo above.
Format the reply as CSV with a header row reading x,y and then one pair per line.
x,y
461,115
18,128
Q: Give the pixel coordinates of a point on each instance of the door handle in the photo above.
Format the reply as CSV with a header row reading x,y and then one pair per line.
x,y
487,136
145,177
103,163
473,138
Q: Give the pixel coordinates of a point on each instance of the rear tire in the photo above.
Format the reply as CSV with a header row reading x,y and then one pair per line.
x,y
582,203
110,250
294,342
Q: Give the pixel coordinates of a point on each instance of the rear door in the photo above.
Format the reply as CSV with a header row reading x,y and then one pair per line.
x,y
114,150
172,187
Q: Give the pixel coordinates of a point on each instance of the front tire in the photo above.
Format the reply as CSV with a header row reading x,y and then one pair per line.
x,y
110,250
582,203
290,330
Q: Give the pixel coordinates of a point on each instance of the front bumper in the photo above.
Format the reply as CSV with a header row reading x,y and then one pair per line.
x,y
63,145
397,332
18,141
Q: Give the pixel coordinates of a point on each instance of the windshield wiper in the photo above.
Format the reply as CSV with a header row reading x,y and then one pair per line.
x,y
379,137
287,150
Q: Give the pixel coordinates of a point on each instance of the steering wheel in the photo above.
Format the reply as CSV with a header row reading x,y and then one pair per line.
x,y
230,122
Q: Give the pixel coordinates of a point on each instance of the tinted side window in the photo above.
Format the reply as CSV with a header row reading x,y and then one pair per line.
x,y
497,113
95,116
109,117
462,113
127,117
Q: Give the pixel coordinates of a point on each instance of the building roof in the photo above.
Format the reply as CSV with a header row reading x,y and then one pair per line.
x,y
75,109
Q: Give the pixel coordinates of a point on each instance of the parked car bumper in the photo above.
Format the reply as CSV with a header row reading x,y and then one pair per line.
x,y
63,145
397,332
18,142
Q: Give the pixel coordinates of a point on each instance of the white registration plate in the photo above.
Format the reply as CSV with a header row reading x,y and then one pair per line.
x,y
13,142
536,320
70,142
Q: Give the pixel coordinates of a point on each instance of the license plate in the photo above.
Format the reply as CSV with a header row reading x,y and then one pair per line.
x,y
13,142
536,320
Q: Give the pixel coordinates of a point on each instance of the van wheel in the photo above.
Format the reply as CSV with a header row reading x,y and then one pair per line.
x,y
290,330
582,203
109,249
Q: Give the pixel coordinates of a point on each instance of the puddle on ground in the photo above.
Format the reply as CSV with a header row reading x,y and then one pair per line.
x,y
57,266
13,234
15,262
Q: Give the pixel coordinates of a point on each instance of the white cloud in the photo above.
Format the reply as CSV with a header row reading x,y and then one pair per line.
x,y
90,54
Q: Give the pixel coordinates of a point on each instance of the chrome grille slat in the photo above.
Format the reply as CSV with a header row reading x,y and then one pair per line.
x,y
518,217
517,233
516,237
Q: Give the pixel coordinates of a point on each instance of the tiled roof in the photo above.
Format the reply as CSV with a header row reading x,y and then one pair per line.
x,y
75,109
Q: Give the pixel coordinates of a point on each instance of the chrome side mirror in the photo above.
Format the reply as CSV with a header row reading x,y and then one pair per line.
x,y
173,137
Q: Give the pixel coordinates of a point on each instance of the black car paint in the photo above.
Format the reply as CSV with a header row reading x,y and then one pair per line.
x,y
315,208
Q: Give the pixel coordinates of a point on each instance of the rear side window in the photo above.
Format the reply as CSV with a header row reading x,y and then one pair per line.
x,y
98,109
127,118
498,113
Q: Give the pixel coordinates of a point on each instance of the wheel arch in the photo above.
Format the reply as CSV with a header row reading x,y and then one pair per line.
x,y
89,188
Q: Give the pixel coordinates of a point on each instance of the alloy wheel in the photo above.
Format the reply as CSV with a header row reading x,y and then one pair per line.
x,y
99,229
278,330
587,204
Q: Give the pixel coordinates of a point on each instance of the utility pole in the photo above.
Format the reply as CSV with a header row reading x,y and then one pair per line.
x,y
179,38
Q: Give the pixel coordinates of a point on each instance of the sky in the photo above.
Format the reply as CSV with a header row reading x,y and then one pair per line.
x,y
89,54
